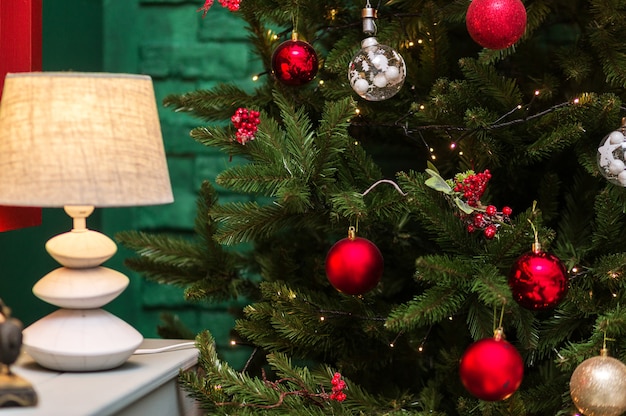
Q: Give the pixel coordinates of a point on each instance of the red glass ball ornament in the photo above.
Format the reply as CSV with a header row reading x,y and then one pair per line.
x,y
496,24
294,62
354,265
491,369
538,280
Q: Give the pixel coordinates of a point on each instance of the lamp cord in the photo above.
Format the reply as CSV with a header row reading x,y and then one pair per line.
x,y
182,345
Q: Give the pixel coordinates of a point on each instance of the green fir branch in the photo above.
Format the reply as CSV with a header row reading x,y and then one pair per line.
x,y
432,306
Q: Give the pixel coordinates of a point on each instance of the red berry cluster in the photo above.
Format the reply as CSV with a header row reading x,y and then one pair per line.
x,y
246,122
471,185
338,386
488,221
232,5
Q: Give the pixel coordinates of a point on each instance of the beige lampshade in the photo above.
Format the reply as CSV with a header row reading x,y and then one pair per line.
x,y
69,138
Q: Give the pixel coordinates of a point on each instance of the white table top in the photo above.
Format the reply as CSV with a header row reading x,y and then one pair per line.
x,y
103,392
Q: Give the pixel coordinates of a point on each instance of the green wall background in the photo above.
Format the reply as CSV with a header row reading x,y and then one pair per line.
x,y
170,41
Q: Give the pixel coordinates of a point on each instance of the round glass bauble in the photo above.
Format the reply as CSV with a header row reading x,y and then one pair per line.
x,y
612,158
354,266
538,280
376,72
598,386
496,24
491,369
294,63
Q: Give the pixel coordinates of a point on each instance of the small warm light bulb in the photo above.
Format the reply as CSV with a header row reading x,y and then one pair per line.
x,y
449,318
421,348
420,41
255,78
322,318
537,92
392,345
461,153
452,146
519,106
576,100
411,44
422,106
614,295
433,157
233,342
357,111
321,82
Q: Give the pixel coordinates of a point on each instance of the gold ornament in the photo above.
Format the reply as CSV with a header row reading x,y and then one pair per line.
x,y
598,386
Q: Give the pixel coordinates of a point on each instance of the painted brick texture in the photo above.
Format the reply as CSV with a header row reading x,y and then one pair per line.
x,y
170,41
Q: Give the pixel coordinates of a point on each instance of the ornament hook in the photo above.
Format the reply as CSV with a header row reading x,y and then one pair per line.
x,y
498,330
536,247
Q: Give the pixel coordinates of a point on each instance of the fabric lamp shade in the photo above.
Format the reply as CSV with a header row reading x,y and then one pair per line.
x,y
81,139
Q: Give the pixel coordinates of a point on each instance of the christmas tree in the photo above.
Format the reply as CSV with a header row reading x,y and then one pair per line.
x,y
437,214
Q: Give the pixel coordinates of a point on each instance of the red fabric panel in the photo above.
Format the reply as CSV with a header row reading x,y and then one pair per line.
x,y
20,51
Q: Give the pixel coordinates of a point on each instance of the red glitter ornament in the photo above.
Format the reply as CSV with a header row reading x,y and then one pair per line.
x,y
491,369
294,62
496,24
354,265
538,280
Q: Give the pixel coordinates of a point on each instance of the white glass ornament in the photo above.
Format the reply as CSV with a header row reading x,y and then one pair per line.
x,y
611,157
377,71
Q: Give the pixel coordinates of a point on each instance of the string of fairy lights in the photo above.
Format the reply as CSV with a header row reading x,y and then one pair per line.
x,y
520,114
461,131
574,271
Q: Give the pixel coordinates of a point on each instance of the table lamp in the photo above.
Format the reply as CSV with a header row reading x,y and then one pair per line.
x,y
79,141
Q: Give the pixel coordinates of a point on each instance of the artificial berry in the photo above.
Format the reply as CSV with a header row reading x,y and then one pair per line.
x,y
245,121
337,390
479,220
472,186
507,211
470,228
232,5
490,231
491,210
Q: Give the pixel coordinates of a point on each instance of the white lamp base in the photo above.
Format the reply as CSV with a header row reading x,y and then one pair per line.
x,y
81,336
81,340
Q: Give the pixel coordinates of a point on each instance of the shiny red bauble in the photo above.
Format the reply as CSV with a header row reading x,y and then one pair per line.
x,y
491,369
294,62
538,280
354,265
496,24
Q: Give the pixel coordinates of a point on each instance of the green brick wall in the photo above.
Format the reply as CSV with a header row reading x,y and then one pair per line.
x,y
170,41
